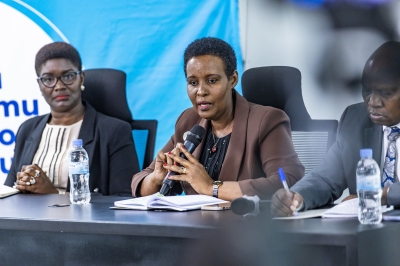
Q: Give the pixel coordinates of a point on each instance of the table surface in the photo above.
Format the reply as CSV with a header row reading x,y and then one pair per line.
x,y
22,211
31,212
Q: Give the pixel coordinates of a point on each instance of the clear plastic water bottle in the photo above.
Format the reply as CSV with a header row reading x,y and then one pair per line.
x,y
78,174
369,189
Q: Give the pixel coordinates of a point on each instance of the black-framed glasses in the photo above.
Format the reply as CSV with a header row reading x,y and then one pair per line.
x,y
51,81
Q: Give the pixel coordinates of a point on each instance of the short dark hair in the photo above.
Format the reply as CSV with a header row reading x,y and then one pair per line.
x,y
384,64
211,46
57,50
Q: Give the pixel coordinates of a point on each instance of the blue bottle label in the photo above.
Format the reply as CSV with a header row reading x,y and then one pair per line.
x,y
76,168
368,182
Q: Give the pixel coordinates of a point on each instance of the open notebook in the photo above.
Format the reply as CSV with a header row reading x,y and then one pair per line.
x,y
160,202
6,191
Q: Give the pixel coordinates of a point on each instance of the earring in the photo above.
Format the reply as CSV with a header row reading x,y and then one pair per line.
x,y
82,87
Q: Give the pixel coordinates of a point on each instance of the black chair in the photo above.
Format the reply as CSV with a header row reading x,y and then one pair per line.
x,y
105,90
280,87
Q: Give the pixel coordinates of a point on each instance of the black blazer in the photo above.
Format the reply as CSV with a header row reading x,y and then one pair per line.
x,y
107,140
337,171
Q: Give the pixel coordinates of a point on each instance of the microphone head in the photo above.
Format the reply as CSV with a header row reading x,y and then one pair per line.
x,y
242,206
198,130
195,135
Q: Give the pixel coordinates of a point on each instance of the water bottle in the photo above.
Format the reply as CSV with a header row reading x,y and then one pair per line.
x,y
78,169
369,189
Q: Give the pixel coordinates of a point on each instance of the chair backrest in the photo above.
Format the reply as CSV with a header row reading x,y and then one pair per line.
x,y
312,143
105,90
280,87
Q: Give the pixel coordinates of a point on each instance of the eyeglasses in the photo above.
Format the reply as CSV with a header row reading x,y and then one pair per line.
x,y
51,81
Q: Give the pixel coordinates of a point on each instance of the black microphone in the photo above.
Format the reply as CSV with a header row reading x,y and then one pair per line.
x,y
251,206
192,140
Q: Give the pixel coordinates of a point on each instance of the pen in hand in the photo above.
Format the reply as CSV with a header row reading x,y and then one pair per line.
x,y
283,180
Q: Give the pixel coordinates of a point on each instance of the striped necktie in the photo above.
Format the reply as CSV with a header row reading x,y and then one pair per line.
x,y
389,168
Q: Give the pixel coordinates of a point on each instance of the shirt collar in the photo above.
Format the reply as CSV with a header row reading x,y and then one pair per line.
x,y
388,129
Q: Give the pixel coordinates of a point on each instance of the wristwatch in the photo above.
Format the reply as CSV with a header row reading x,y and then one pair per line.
x,y
216,184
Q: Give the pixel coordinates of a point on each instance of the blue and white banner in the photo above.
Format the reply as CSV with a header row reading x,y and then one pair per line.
x,y
146,39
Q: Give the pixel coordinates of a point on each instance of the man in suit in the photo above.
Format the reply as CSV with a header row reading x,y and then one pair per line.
x,y
362,125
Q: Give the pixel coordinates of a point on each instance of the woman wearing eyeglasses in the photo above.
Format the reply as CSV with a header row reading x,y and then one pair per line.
x,y
40,163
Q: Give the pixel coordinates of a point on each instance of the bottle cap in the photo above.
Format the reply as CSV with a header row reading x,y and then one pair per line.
x,y
366,153
77,142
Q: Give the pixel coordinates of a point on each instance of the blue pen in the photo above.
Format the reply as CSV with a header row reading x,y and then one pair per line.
x,y
283,179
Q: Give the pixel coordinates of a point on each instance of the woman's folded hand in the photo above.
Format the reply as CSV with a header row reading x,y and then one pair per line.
x,y
33,179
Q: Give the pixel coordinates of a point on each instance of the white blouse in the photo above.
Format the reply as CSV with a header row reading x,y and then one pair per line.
x,y
52,153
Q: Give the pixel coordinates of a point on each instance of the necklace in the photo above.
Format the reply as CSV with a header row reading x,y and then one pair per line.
x,y
214,147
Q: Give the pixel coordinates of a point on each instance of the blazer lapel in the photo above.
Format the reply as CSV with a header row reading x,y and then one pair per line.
x,y
87,130
234,155
32,143
373,139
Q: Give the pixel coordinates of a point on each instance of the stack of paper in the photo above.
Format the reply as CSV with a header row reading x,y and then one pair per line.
x,y
347,208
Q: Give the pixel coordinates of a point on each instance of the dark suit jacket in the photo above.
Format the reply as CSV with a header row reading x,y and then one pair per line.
x,y
337,171
260,143
107,140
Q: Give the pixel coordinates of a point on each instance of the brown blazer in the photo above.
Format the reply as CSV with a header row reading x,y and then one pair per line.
x,y
260,143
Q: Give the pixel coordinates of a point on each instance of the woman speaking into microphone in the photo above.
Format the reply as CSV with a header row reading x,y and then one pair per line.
x,y
243,146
